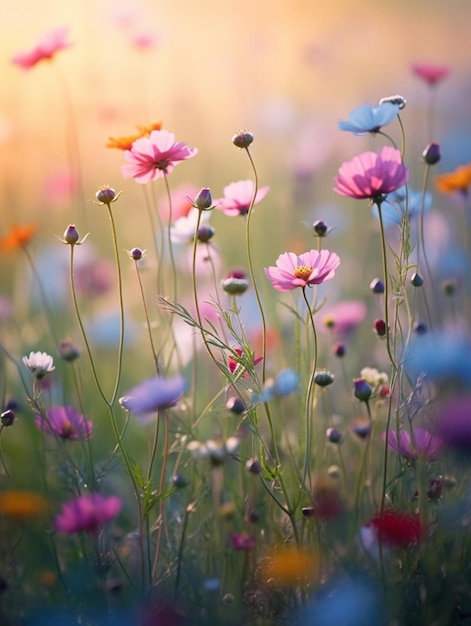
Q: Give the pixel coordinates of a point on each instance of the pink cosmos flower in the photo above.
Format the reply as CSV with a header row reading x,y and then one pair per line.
x,y
65,422
47,47
344,317
310,268
424,446
372,174
87,513
238,196
430,73
155,156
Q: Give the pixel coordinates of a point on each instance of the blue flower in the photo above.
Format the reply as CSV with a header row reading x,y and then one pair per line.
x,y
286,382
153,394
369,119
403,202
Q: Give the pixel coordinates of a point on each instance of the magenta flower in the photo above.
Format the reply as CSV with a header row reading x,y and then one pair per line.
x,y
310,268
344,316
46,48
371,174
430,73
242,541
152,395
155,156
65,422
234,364
424,445
238,196
87,513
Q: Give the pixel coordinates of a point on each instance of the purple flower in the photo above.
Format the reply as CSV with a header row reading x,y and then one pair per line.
x,y
372,174
423,445
87,513
369,119
310,268
242,541
65,422
454,423
153,394
238,196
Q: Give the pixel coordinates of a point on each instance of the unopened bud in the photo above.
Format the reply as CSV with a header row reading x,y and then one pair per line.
x,y
68,351
377,285
205,233
323,378
242,139
333,435
398,100
136,254
235,405
362,390
71,235
380,328
416,280
320,228
236,283
105,195
7,417
340,350
203,200
432,153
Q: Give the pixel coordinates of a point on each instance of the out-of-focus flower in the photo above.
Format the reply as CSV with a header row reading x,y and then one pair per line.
x,y
243,541
183,228
289,566
234,364
372,175
236,283
309,268
285,383
125,143
155,156
362,390
22,505
327,502
369,119
144,39
6,307
152,395
65,422
68,351
344,317
93,276
373,377
51,43
423,445
60,185
397,528
18,237
216,450
430,73
39,364
402,203
442,355
87,513
238,196
457,181
454,423
181,202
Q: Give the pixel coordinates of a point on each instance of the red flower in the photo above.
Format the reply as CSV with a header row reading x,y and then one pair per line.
x,y
397,528
234,364
430,73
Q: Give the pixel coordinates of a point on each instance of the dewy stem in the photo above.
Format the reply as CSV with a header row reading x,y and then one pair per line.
x,y
251,270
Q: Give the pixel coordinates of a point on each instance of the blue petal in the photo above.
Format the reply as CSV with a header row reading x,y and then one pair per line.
x,y
368,119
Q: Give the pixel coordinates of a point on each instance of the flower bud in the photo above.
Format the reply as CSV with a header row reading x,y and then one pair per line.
x,y
432,154
236,283
179,481
71,235
340,350
323,378
362,428
253,466
205,233
333,435
235,405
416,280
380,328
242,139
68,351
420,328
362,390
136,254
377,285
320,228
7,417
105,195
203,200
449,287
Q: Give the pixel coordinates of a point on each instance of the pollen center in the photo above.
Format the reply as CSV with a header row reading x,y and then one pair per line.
x,y
303,272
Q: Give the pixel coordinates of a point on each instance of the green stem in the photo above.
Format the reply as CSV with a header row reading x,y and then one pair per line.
x,y
310,387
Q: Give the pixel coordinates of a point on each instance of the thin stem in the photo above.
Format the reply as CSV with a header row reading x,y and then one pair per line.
x,y
169,238
149,330
309,390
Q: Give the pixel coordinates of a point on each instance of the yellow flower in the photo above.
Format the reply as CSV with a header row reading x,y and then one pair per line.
x,y
18,237
22,505
457,181
125,143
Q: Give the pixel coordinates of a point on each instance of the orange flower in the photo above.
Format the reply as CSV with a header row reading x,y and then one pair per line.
x,y
457,181
18,237
22,505
290,566
125,143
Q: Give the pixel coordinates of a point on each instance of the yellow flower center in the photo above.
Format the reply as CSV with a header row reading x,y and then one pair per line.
x,y
303,272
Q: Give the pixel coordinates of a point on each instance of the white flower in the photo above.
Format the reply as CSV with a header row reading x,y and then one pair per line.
x,y
183,229
39,364
373,377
